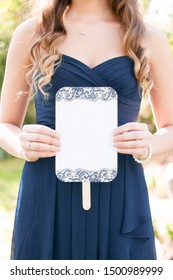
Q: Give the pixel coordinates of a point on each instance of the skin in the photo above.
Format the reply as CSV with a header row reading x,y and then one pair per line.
x,y
32,142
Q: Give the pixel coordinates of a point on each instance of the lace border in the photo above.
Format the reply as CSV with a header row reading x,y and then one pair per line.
x,y
79,175
88,93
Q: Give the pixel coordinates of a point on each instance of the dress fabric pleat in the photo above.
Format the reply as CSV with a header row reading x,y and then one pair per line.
x,y
50,222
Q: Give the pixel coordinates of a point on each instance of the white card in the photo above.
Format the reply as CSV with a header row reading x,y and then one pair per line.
x,y
85,119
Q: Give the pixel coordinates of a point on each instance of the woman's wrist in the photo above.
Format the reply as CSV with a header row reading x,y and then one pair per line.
x,y
144,159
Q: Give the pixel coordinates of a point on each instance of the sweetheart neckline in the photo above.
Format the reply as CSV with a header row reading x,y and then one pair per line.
x,y
99,64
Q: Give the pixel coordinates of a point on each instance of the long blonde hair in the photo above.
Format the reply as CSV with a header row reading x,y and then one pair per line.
x,y
52,33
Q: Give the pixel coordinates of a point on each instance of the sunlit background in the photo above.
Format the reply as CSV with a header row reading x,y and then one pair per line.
x,y
159,175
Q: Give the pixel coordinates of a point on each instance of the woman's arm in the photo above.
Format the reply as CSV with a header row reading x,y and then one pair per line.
x,y
14,138
137,139
161,96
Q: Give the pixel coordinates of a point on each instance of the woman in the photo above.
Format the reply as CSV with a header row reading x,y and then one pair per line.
x,y
85,43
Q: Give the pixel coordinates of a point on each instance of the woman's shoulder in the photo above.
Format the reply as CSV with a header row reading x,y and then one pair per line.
x,y
155,40
153,33
27,31
24,37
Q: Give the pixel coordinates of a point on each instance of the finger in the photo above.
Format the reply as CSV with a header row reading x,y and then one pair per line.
x,y
131,135
131,144
40,138
41,129
130,126
32,156
39,147
138,151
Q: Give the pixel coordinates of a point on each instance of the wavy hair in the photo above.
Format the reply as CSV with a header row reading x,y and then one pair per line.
x,y
52,32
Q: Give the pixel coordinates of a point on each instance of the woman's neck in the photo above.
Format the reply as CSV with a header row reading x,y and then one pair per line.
x,y
90,10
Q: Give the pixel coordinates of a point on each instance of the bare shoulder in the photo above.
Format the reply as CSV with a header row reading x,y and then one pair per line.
x,y
26,32
24,36
27,27
153,35
155,41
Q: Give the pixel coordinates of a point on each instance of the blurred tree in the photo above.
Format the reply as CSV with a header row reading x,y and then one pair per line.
x,y
146,3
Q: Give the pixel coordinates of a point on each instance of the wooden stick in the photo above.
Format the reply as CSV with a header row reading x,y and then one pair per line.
x,y
86,195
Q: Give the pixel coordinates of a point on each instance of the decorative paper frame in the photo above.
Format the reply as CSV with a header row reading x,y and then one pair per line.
x,y
85,119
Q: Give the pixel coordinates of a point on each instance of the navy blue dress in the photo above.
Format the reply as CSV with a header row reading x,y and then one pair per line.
x,y
50,222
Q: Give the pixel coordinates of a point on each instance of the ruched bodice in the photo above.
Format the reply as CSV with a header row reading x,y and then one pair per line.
x,y
117,72
54,225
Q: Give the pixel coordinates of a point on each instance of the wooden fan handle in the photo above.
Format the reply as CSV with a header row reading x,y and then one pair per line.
x,y
86,195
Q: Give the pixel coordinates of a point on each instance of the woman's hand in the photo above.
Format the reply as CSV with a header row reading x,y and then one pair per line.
x,y
38,141
132,138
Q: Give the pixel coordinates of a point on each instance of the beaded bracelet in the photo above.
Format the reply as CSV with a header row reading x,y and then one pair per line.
x,y
144,160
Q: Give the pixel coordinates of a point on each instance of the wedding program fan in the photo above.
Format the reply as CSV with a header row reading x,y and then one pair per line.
x,y
85,119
